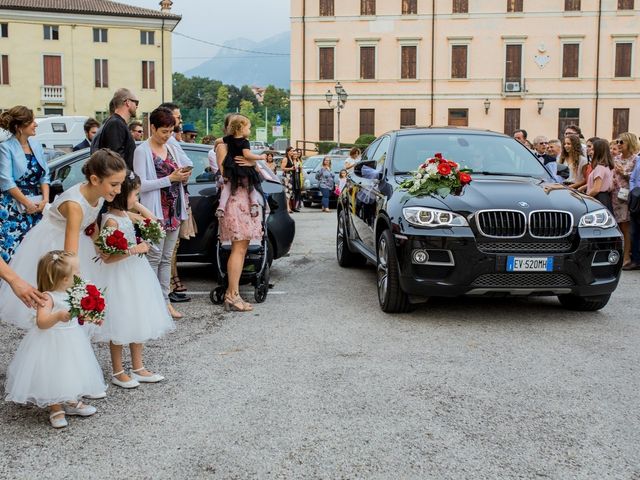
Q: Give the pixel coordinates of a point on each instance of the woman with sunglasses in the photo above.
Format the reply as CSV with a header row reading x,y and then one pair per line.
x,y
623,166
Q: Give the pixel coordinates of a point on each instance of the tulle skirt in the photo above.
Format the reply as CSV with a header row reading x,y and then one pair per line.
x,y
42,238
53,366
136,310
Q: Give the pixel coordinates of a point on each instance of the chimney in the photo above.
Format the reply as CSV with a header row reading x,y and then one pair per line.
x,y
165,6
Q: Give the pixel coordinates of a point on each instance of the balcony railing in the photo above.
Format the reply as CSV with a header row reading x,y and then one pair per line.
x,y
52,94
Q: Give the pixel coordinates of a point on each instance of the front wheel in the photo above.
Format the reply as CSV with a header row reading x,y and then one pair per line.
x,y
584,304
390,295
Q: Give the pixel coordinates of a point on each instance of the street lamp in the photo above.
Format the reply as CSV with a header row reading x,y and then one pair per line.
x,y
487,104
540,106
341,99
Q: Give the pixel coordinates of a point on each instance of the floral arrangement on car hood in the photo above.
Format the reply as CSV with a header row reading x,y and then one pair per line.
x,y
437,175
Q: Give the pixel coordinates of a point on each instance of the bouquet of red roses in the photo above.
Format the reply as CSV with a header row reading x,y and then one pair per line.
x,y
437,175
86,302
112,241
151,231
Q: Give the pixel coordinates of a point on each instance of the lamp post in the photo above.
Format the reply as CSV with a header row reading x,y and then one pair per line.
x,y
341,99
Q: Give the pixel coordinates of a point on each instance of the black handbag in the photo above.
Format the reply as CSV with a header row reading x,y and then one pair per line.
x,y
634,202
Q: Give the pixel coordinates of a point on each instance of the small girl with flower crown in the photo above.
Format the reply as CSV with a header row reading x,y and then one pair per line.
x,y
54,365
136,310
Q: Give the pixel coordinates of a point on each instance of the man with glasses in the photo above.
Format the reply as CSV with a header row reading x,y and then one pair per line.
x,y
136,130
189,133
115,133
540,146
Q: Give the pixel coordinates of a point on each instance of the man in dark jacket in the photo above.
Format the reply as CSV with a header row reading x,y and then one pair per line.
x,y
115,133
91,127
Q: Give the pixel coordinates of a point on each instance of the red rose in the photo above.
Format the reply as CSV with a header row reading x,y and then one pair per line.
x,y
438,155
100,304
118,234
111,241
122,244
453,164
88,303
464,178
433,160
90,230
444,169
147,221
92,290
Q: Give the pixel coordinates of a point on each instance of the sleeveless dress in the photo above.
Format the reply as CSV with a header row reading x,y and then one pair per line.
x,y
14,224
49,235
136,310
54,365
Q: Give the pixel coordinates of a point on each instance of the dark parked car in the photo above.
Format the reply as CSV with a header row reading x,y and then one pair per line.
x,y
203,194
511,231
311,193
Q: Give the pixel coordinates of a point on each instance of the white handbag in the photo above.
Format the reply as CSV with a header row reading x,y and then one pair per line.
x,y
623,194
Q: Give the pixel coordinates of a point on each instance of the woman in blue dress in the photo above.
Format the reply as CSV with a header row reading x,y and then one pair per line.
x,y
24,179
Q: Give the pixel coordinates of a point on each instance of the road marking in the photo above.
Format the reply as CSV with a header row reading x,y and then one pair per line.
x,y
271,292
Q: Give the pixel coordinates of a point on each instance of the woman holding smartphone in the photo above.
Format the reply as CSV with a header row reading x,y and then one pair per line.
x,y
162,192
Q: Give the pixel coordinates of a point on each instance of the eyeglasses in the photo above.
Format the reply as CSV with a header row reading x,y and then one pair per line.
x,y
137,131
543,143
137,102
619,142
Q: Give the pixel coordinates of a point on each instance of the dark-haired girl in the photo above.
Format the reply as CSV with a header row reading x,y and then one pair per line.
x,y
600,181
65,226
136,310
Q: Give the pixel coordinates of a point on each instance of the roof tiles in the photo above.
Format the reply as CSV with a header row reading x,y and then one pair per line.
x,y
94,7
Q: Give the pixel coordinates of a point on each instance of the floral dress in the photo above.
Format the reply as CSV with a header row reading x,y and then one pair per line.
x,y
621,207
15,224
169,196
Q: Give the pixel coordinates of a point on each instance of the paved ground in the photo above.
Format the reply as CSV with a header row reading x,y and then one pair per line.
x,y
319,383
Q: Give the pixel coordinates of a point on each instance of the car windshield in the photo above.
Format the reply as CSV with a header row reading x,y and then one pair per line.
x,y
337,164
312,162
483,154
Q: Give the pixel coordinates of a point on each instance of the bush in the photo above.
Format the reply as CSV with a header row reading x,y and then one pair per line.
x,y
363,141
324,147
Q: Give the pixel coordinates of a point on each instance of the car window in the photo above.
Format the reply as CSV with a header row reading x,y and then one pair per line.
x,y
480,153
370,151
71,174
201,171
378,158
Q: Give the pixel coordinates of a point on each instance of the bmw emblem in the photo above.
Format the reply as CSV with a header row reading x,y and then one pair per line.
x,y
523,204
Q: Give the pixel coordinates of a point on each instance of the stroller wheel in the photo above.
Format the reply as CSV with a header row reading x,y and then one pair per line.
x,y
260,293
217,295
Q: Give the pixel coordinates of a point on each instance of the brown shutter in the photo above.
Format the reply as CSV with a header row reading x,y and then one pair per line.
x,y
625,5
572,5
144,75
514,63
152,75
409,7
566,117
511,120
326,63
326,124
459,61
105,73
408,61
367,7
570,60
96,73
514,5
367,62
459,117
326,8
460,6
52,69
620,121
623,60
367,121
407,117
4,73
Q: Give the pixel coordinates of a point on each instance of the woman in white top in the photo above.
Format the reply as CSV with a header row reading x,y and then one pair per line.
x,y
577,162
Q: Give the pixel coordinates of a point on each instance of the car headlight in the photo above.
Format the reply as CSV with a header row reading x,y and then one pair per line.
x,y
602,218
307,184
431,217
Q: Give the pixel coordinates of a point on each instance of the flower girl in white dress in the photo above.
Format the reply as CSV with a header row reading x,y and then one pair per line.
x,y
55,365
136,310
63,228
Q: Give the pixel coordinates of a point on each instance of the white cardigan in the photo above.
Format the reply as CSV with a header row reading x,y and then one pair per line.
x,y
144,167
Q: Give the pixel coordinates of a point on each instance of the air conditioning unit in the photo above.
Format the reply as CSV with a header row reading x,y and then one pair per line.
x,y
512,86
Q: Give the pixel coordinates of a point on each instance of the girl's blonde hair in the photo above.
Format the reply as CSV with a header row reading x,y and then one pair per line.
x,y
236,124
52,268
631,140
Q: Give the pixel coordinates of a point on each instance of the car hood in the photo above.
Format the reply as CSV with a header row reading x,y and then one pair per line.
x,y
510,193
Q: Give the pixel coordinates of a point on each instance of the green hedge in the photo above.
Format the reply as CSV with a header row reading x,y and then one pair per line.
x,y
362,142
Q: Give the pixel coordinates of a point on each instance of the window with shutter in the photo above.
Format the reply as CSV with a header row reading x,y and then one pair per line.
x,y
326,63
367,7
409,7
4,70
514,5
566,117
460,6
625,5
148,74
367,62
326,8
326,124
511,120
459,61
408,61
367,121
459,117
407,117
570,60
620,121
513,67
571,5
101,69
623,60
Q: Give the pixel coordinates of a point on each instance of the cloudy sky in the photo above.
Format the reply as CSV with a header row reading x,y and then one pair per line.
x,y
218,21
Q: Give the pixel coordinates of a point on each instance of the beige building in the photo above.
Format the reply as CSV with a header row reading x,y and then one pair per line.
x,y
67,57
496,64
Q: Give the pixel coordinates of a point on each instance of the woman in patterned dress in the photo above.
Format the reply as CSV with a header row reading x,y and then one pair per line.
x,y
24,179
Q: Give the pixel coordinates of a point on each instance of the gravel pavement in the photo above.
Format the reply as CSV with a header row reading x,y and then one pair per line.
x,y
317,382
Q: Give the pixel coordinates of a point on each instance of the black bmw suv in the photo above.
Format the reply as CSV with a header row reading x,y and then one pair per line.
x,y
511,231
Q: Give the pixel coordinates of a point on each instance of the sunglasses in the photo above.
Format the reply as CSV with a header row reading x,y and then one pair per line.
x,y
543,143
619,142
138,131
137,102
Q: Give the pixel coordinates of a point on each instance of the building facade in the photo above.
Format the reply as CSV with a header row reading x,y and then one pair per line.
x,y
495,64
63,57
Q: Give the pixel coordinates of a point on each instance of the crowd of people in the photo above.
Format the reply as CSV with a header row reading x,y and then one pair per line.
x,y
606,170
45,246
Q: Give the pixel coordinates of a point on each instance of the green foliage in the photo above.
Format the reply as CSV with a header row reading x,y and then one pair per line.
x,y
364,140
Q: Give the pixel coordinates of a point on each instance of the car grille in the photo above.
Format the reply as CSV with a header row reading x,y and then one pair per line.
x,y
523,280
550,224
524,247
502,223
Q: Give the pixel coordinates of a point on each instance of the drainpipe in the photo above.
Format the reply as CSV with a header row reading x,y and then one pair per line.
x,y
304,52
162,61
433,52
595,133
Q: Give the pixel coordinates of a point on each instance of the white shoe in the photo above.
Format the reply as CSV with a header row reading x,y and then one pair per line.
x,y
155,378
79,409
57,419
129,384
98,396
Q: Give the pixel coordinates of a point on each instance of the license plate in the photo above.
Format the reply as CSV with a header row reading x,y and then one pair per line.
x,y
529,264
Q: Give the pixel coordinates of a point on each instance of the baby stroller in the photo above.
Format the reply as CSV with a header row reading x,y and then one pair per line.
x,y
256,267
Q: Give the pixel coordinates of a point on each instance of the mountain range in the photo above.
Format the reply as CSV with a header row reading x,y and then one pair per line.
x,y
239,68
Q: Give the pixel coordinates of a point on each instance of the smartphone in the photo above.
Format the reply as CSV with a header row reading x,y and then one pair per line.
x,y
186,169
